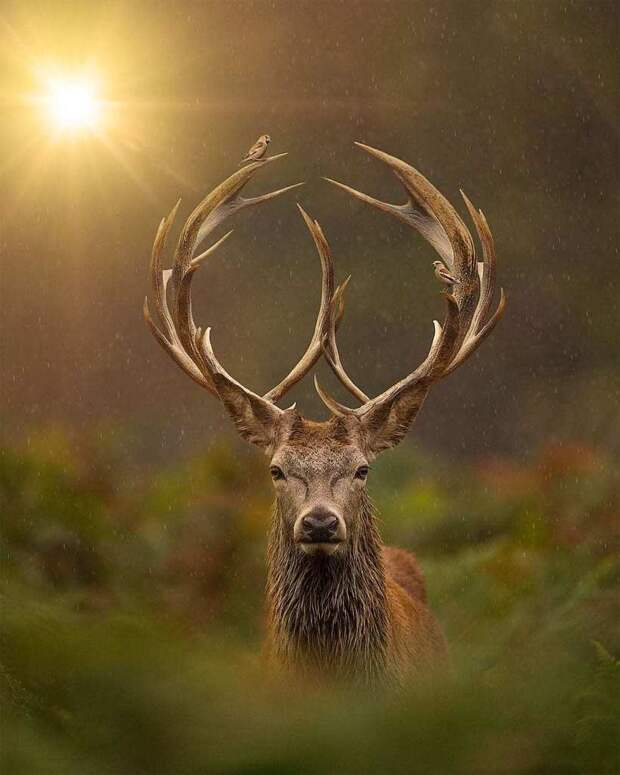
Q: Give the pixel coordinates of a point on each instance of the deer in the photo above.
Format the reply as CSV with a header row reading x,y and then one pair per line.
x,y
339,603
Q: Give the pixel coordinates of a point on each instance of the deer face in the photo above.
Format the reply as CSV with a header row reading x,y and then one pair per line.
x,y
319,474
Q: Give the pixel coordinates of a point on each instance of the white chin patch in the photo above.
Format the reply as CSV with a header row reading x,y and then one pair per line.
x,y
320,548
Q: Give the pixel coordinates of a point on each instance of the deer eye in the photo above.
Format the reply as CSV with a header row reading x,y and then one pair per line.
x,y
276,473
362,472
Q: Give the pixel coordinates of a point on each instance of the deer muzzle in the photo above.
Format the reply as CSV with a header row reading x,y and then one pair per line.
x,y
319,529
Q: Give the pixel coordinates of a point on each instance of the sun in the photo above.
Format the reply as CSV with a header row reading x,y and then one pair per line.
x,y
73,103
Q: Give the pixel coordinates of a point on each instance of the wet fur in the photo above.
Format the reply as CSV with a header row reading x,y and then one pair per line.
x,y
360,614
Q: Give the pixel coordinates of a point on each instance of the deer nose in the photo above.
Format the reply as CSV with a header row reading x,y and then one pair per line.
x,y
320,526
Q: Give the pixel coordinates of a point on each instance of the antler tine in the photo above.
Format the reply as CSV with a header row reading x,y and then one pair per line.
x,y
183,340
478,329
226,199
429,212
433,367
314,349
330,345
427,202
169,338
158,282
425,224
221,203
180,337
186,327
419,381
176,352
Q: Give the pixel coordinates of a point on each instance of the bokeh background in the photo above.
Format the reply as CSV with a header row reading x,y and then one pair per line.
x,y
133,522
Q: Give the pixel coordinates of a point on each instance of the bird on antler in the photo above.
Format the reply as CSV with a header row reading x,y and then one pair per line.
x,y
442,273
258,150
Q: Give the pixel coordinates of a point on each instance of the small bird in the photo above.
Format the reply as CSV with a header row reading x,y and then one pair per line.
x,y
443,274
257,151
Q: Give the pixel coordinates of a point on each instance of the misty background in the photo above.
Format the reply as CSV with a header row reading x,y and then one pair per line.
x,y
513,102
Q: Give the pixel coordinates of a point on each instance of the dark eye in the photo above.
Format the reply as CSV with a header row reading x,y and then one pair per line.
x,y
276,473
362,472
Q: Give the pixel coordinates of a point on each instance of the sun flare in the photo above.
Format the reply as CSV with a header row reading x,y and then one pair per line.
x,y
73,104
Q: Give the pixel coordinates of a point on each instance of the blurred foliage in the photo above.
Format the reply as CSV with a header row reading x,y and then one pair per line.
x,y
132,608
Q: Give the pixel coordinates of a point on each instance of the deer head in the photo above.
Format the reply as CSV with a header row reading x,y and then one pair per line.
x,y
319,469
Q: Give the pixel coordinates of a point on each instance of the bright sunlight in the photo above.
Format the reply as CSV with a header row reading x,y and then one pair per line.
x,y
73,104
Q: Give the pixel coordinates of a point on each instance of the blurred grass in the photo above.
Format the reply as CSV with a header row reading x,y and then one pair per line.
x,y
132,607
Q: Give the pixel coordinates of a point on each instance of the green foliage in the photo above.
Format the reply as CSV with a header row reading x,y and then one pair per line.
x,y
132,607
598,725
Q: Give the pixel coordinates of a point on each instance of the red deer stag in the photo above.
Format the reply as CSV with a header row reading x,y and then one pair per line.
x,y
338,601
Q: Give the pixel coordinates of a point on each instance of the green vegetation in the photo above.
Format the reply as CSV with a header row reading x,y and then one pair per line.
x,y
131,619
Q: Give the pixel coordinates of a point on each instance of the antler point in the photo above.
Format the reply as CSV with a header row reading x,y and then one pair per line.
x,y
269,159
368,148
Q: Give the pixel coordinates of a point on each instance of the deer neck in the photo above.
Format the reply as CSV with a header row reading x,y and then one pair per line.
x,y
330,612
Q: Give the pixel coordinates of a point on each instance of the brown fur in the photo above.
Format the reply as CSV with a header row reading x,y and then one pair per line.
x,y
411,644
361,613
403,567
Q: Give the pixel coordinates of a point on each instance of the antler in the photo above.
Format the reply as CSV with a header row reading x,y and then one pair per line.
x,y
186,343
466,321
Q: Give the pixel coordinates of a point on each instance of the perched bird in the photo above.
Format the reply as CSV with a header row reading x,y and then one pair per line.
x,y
257,151
442,273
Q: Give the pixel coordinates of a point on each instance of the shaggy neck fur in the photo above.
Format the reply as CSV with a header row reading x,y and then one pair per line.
x,y
329,613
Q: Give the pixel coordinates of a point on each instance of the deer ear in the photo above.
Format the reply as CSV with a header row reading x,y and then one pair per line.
x,y
256,419
386,424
